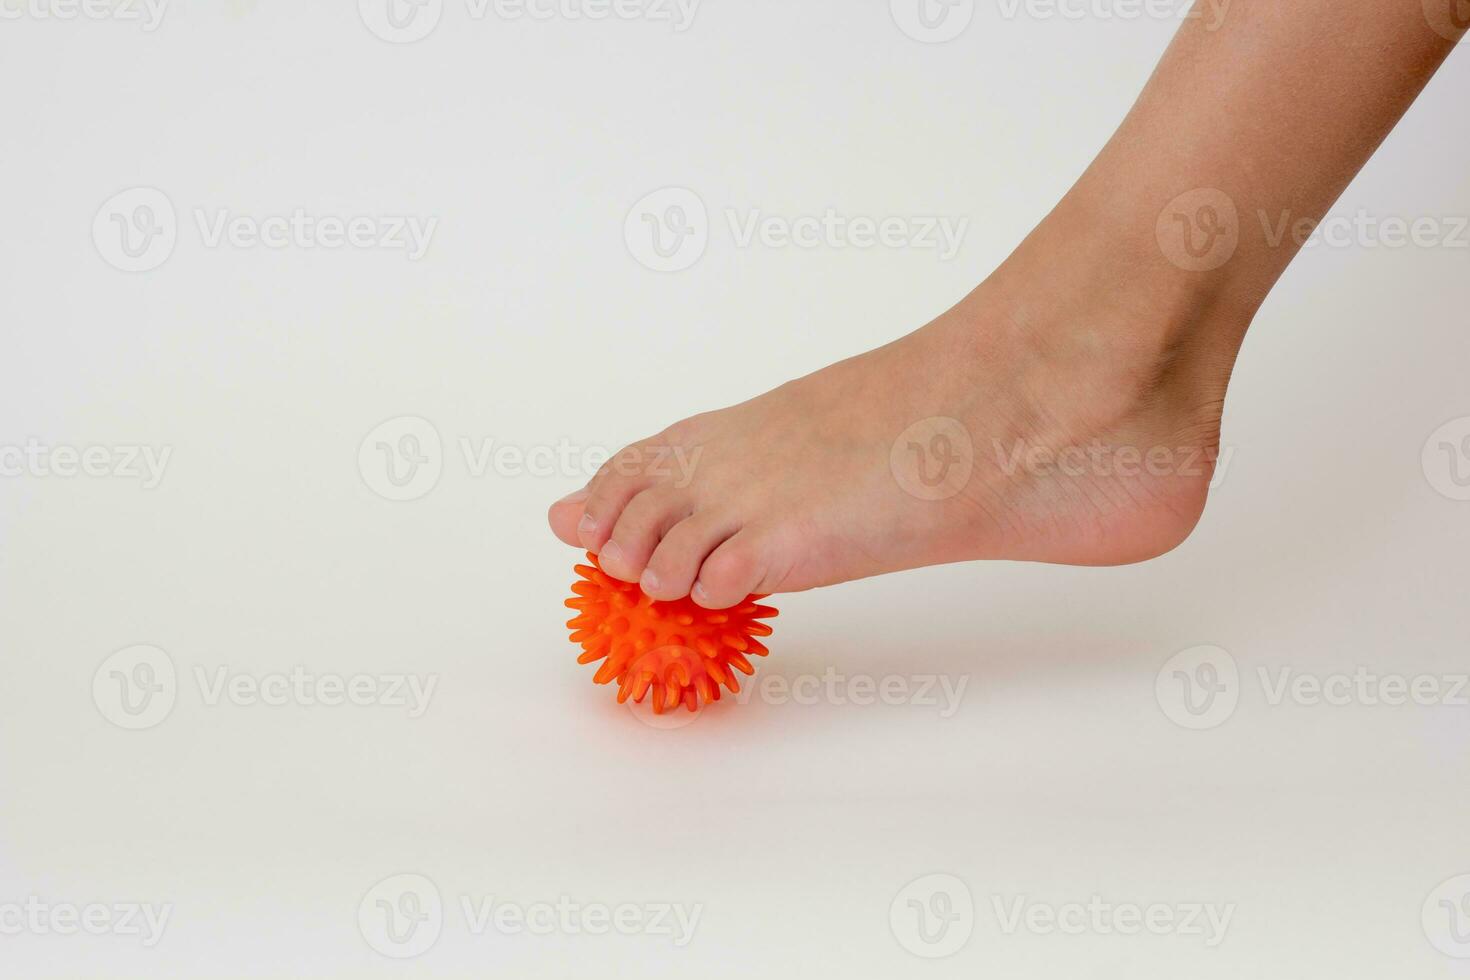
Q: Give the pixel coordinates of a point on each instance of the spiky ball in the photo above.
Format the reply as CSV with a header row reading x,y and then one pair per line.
x,y
679,652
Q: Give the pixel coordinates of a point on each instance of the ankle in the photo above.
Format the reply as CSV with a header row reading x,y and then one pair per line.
x,y
1092,303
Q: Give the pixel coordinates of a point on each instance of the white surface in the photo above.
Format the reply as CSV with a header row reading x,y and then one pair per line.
x,y
793,827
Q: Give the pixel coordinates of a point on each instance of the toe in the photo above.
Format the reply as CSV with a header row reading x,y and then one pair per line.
x,y
643,523
565,514
610,494
731,572
671,571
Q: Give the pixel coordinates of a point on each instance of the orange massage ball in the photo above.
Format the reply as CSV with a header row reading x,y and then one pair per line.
x,y
679,651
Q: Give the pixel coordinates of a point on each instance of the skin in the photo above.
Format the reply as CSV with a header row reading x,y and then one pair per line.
x,y
1082,383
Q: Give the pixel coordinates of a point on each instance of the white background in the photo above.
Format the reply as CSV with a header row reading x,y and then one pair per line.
x,y
794,826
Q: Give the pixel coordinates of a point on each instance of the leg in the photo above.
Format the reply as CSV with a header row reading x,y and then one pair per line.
x,y
1068,410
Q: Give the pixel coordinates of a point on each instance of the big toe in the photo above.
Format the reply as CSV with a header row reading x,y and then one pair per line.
x,y
565,515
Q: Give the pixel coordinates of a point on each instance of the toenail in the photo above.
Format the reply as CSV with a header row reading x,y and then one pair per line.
x,y
611,552
699,592
576,498
649,581
588,524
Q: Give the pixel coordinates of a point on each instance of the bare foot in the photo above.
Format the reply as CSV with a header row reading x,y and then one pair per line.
x,y
1034,422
